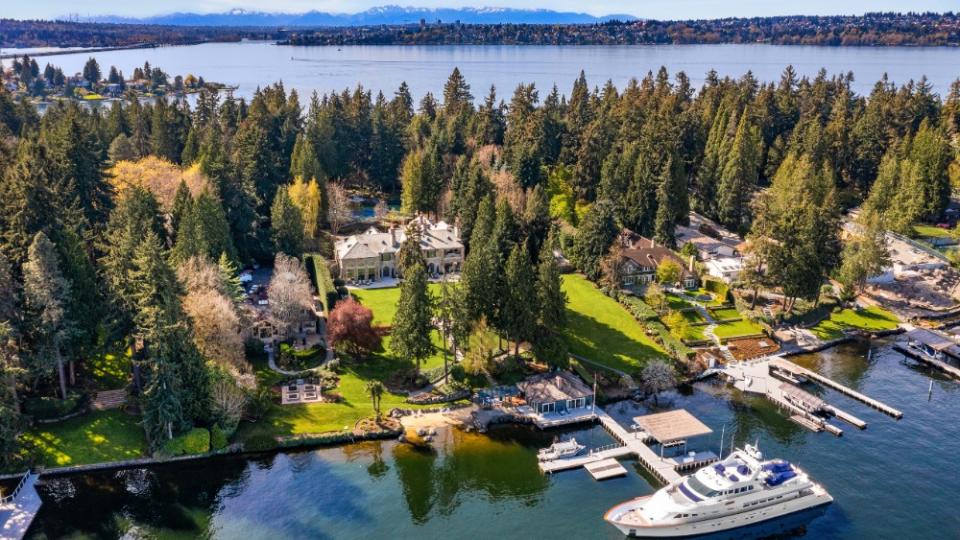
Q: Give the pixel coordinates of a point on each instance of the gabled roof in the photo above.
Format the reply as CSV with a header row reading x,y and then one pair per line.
x,y
646,252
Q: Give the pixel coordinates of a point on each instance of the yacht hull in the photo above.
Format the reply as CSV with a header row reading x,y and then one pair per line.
x,y
722,524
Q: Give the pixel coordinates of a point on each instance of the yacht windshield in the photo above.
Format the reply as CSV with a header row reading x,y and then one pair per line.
x,y
699,487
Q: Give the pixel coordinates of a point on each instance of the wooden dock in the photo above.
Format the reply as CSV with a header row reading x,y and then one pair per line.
x,y
18,510
795,370
663,469
949,369
608,468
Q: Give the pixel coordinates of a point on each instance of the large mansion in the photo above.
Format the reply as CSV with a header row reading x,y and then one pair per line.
x,y
372,255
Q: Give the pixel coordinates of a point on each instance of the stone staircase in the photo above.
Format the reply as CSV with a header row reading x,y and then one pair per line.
x,y
109,399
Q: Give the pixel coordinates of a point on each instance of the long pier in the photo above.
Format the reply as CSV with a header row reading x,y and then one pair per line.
x,y
663,469
794,369
18,510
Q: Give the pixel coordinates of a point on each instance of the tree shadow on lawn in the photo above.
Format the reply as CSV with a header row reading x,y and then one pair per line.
x,y
603,344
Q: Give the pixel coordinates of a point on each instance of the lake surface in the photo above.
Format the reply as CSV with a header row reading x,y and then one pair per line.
x,y
425,68
897,479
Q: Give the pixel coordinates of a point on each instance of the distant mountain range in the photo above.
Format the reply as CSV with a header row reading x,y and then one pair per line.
x,y
391,15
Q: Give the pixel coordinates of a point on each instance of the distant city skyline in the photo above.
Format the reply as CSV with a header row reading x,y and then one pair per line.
x,y
654,9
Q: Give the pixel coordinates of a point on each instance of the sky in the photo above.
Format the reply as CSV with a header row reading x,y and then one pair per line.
x,y
655,9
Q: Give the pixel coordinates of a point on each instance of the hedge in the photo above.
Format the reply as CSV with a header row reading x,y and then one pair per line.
x,y
47,408
218,438
317,266
638,308
717,287
195,441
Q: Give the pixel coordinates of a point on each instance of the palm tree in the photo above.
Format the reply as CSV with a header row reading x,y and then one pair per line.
x,y
375,390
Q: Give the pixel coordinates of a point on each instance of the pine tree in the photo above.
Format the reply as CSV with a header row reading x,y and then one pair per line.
x,y
412,326
204,231
739,177
593,239
286,224
46,294
410,253
26,200
518,318
182,205
176,392
11,421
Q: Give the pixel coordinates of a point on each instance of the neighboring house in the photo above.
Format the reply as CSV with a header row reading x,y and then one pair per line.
x,y
727,269
561,391
709,237
908,258
372,255
642,256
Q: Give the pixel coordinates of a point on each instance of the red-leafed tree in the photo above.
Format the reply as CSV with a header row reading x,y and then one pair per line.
x,y
351,325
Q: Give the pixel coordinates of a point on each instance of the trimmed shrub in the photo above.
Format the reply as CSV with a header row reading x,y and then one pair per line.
x,y
195,441
458,373
260,443
718,288
326,289
219,438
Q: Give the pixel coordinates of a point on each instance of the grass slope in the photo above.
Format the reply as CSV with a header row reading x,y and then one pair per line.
x,y
602,330
871,319
92,438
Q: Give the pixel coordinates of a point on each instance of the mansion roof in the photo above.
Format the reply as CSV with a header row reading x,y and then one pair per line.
x,y
372,243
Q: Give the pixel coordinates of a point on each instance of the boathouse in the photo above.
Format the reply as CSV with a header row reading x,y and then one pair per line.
x,y
560,392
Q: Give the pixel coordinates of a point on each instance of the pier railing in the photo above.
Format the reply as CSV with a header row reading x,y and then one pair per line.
x,y
606,447
16,491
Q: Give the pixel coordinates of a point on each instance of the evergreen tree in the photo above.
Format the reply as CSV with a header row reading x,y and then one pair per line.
x,y
518,318
412,326
182,205
204,230
410,254
593,239
286,224
176,392
46,294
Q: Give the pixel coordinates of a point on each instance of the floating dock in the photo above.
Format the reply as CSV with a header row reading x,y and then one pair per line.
x,y
608,468
665,469
18,510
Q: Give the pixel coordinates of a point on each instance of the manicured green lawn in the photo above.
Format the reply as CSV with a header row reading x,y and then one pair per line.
x,y
694,333
931,231
871,319
725,314
92,438
693,316
741,328
383,302
675,302
600,329
326,417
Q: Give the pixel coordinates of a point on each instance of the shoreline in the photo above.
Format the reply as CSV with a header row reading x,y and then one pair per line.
x,y
432,419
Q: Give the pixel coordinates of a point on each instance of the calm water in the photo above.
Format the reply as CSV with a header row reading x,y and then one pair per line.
x,y
894,480
425,68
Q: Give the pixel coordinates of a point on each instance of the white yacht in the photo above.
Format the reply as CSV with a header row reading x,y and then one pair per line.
x,y
738,491
559,450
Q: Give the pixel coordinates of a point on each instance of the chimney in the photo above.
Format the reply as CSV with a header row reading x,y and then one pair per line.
x,y
692,258
393,235
653,243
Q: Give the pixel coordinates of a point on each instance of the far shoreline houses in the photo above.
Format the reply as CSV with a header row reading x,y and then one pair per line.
x,y
372,254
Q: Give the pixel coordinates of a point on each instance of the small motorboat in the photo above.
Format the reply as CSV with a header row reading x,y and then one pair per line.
x,y
558,450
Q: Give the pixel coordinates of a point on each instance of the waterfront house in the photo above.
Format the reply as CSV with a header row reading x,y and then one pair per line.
x,y
642,256
372,254
561,392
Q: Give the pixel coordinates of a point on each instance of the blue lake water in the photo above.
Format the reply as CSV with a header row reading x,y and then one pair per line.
x,y
896,479
425,68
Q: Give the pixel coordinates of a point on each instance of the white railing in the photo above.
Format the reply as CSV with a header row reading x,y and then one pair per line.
x,y
16,490
604,448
